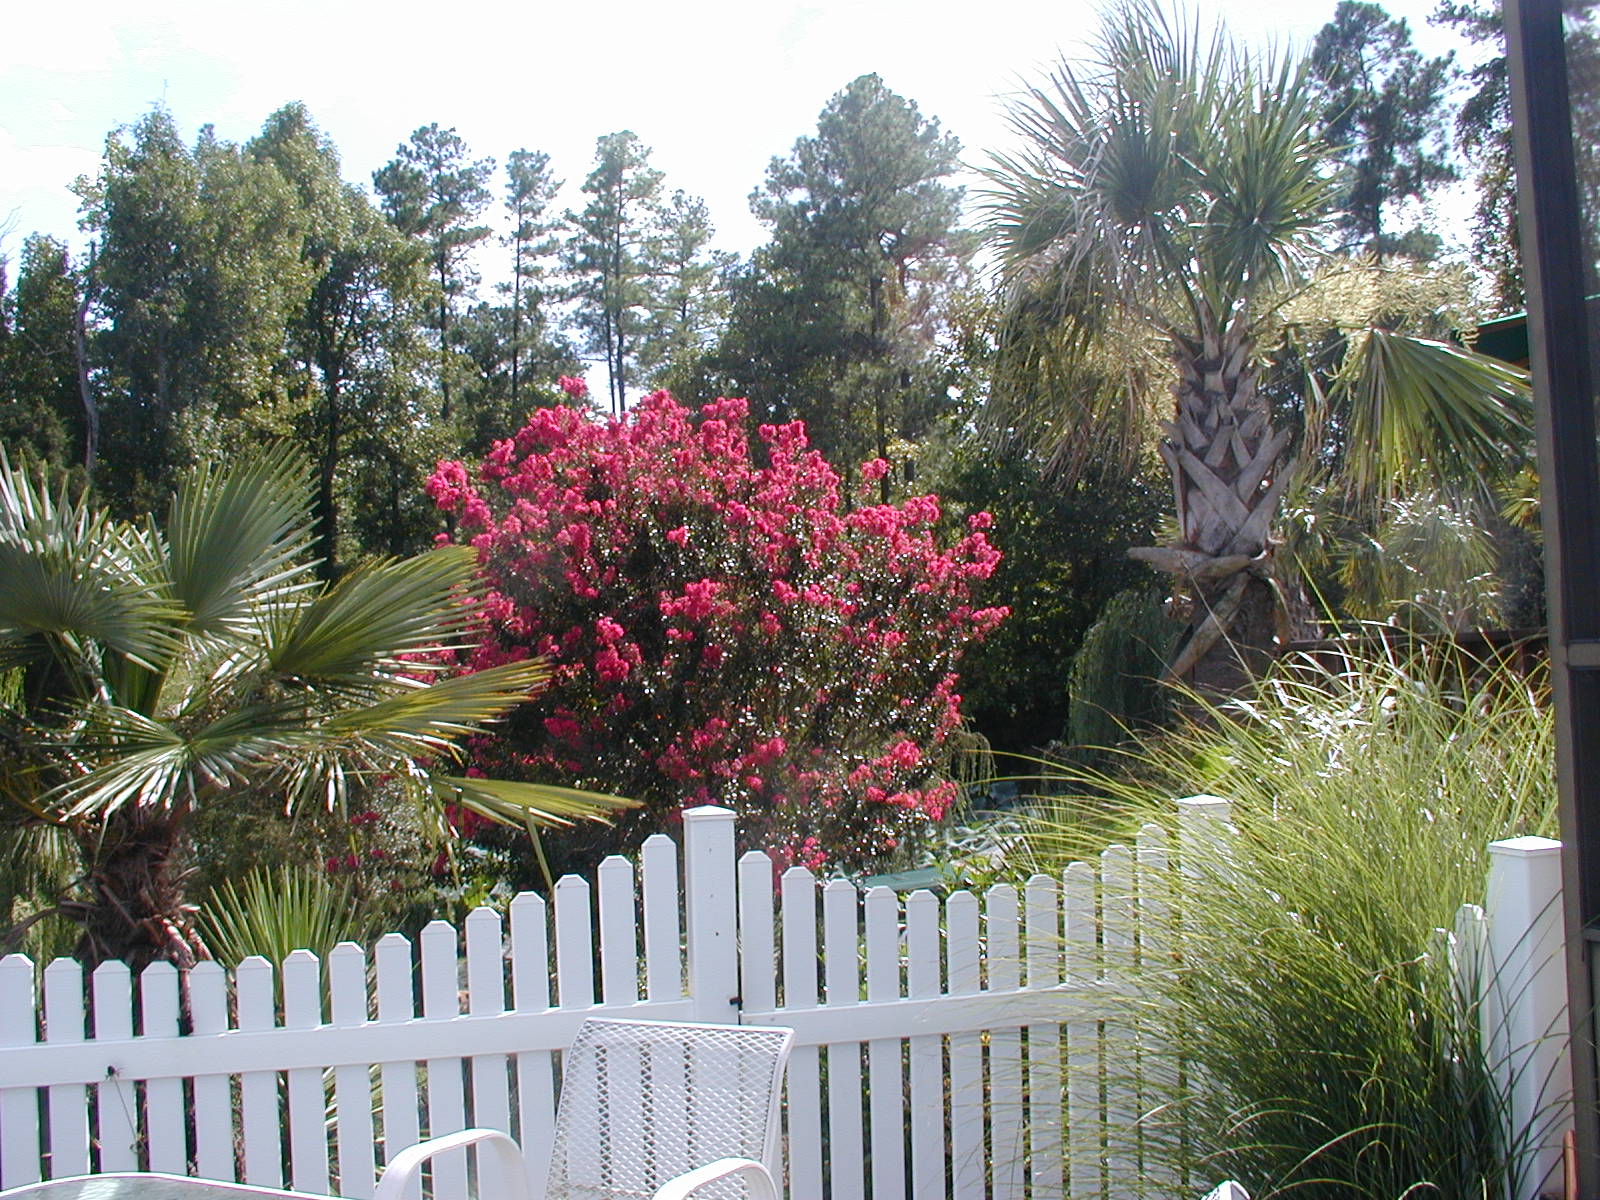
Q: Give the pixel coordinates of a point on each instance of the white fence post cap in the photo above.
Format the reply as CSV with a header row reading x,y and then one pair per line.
x,y
1525,847
1202,802
707,810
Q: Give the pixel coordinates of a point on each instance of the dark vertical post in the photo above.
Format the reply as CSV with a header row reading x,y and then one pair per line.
x,y
1558,337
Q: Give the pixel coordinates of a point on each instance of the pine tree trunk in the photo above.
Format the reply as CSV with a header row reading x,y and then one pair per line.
x,y
1229,471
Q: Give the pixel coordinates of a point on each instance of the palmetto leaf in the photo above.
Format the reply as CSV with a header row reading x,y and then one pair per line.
x,y
69,579
283,743
528,803
236,536
375,614
1432,414
447,708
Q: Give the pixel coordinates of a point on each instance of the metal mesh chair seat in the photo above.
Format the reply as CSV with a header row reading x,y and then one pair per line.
x,y
648,1109
646,1102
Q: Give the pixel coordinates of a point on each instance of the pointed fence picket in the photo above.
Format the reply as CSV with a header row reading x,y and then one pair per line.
x,y
980,1047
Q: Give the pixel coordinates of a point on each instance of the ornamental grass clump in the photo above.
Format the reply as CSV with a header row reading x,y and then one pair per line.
x,y
1328,1049
723,627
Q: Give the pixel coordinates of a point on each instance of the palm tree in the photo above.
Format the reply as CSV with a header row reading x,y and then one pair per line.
x,y
1172,186
162,668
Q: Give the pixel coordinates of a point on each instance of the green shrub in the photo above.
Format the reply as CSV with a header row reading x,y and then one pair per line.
x,y
1064,557
272,913
1113,684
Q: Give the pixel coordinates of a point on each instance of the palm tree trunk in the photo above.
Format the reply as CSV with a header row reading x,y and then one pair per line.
x,y
1229,470
134,909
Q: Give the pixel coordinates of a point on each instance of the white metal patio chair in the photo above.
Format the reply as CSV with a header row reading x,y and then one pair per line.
x,y
650,1110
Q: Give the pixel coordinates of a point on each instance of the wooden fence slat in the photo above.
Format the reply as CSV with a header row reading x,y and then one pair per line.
x,y
213,1093
352,1085
663,937
116,1119
885,1102
486,997
307,1110
619,937
447,1101
259,1116
804,1085
1006,1145
401,1116
1042,924
1120,1043
163,1098
20,1152
1083,1037
69,1103
842,987
968,1167
530,992
926,1053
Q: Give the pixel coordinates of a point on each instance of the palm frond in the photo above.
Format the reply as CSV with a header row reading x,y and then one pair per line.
x,y
373,616
538,804
237,535
444,709
69,580
1430,415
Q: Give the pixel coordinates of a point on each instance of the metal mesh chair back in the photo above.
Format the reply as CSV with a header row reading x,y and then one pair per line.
x,y
645,1101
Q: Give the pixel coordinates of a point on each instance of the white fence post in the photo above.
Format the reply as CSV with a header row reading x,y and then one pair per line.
x,y
711,908
1202,830
1525,1007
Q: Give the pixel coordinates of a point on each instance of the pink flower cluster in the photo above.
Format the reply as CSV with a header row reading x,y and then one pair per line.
x,y
723,627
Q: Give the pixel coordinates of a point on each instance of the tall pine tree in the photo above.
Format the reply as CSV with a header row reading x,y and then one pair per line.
x,y
611,254
530,187
836,320
1384,109
434,190
688,299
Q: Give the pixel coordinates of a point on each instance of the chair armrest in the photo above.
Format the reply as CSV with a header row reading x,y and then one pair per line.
x,y
761,1185
405,1168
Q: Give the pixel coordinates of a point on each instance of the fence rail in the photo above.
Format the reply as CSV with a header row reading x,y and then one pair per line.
x,y
945,1047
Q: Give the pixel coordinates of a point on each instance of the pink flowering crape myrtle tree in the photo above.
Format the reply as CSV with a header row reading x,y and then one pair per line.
x,y
722,631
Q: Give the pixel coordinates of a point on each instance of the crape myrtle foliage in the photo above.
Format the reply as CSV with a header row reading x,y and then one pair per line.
x,y
721,631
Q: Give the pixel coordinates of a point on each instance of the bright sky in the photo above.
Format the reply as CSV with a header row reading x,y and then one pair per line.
x,y
714,87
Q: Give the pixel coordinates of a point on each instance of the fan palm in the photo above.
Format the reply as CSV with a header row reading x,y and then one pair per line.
x,y
167,667
1173,186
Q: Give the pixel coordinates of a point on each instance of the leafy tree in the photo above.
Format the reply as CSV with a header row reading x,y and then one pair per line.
x,y
836,319
530,187
199,273
433,190
1383,110
612,252
41,407
1169,193
356,340
723,629
165,669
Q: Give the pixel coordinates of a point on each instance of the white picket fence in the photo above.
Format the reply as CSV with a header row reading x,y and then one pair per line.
x,y
954,1047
